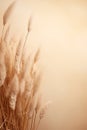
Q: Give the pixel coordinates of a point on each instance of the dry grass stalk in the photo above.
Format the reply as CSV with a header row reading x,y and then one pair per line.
x,y
19,55
21,48
33,105
2,73
14,92
25,42
20,98
6,16
8,13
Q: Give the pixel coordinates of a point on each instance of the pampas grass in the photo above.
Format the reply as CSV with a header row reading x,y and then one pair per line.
x,y
8,13
2,73
6,17
20,78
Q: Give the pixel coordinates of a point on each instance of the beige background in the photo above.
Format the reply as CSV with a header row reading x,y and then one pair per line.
x,y
60,27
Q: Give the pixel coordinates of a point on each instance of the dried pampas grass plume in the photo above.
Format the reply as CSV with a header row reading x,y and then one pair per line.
x,y
2,73
8,13
21,47
20,80
2,65
14,92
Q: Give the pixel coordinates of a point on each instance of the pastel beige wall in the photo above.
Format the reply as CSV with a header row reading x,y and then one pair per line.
x,y
61,29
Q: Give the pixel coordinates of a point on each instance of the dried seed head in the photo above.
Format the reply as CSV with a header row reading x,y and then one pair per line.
x,y
15,85
2,73
33,105
12,101
6,34
18,55
28,88
29,23
8,13
14,92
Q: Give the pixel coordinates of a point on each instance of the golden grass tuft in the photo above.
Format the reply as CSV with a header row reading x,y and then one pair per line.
x,y
20,77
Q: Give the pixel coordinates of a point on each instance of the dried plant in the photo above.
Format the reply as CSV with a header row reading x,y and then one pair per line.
x,y
20,77
8,13
6,17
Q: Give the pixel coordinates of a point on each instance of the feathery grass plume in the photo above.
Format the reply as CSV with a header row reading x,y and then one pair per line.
x,y
19,107
6,16
27,96
8,12
28,88
0,117
26,68
28,81
2,74
29,23
14,92
35,60
20,98
3,60
8,87
21,48
6,34
24,47
19,54
2,69
2,49
35,73
9,60
28,30
33,105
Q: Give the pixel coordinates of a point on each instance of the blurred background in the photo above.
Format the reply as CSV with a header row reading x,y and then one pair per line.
x,y
60,29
